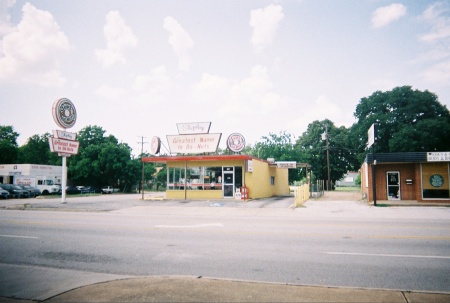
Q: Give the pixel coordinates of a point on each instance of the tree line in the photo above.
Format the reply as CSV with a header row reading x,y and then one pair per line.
x,y
409,121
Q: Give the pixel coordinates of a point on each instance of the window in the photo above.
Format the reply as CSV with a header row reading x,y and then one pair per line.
x,y
272,180
197,178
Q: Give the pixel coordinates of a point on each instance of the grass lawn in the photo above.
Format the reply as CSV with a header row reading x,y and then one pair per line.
x,y
348,188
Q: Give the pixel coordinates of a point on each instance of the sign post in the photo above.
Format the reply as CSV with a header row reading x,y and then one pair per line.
x,y
372,140
62,142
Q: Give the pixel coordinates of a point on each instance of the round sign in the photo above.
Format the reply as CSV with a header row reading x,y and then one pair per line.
x,y
155,145
436,180
64,113
236,142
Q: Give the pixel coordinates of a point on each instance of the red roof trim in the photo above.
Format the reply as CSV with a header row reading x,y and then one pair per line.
x,y
197,158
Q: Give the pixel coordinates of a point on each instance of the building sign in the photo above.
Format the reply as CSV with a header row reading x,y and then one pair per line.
x,y
64,135
236,142
438,156
62,146
372,135
193,144
286,164
193,128
155,145
64,113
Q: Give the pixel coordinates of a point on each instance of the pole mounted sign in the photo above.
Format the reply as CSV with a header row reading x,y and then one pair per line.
x,y
64,143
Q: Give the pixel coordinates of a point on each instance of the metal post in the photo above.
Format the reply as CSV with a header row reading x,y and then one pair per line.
x,y
64,180
374,181
328,159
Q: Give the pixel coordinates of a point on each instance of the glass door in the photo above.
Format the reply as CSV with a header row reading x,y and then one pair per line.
x,y
393,185
228,182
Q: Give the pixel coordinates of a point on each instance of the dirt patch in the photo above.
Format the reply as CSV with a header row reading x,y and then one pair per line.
x,y
341,196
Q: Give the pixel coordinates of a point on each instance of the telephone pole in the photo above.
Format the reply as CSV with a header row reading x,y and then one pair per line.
x,y
141,186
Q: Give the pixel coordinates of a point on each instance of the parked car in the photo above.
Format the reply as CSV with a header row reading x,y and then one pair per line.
x,y
72,190
4,194
34,191
83,189
92,189
15,190
109,190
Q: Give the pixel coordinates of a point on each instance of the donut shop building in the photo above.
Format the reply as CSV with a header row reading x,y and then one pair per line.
x,y
195,172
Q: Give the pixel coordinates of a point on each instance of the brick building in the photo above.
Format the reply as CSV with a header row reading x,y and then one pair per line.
x,y
417,176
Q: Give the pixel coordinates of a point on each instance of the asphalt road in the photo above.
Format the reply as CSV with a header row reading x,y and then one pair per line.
x,y
335,243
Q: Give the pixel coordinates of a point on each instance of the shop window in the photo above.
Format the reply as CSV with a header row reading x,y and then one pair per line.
x,y
197,178
435,181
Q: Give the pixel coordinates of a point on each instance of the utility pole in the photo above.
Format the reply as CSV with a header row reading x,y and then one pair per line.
x,y
328,158
141,187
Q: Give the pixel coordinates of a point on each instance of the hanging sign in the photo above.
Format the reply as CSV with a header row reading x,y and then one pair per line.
x,y
63,146
193,128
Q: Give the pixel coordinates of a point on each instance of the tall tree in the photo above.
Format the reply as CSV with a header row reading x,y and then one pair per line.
x,y
312,144
37,151
8,145
281,148
409,120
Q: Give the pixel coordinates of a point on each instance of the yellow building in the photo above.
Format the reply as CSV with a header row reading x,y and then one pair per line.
x,y
223,177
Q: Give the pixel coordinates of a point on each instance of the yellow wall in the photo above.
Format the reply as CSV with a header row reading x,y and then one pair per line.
x,y
257,182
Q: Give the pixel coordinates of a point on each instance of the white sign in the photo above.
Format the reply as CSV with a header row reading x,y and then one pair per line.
x,y
155,145
64,146
59,134
286,164
371,135
193,128
193,144
438,156
64,113
249,166
236,142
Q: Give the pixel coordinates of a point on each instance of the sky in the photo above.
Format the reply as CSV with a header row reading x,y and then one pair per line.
x,y
136,68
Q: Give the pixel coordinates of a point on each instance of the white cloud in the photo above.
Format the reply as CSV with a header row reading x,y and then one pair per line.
x,y
5,25
118,38
385,15
440,23
111,93
438,73
153,88
265,24
32,50
180,41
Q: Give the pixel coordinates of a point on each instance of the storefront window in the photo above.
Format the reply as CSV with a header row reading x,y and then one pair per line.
x,y
198,178
435,182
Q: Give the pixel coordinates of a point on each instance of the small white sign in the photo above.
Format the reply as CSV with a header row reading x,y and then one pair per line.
x,y
63,146
59,134
372,135
438,156
193,128
193,144
286,164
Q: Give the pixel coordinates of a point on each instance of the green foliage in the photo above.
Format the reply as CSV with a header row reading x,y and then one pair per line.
x,y
314,150
37,151
8,145
409,121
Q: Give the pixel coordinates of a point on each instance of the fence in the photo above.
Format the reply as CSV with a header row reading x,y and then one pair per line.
x,y
301,194
317,189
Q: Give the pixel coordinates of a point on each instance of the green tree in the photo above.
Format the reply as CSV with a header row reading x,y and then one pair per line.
x,y
313,146
281,148
103,161
8,145
409,121
37,151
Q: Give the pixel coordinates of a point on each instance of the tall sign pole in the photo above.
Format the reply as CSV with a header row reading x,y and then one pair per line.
x,y
371,141
63,142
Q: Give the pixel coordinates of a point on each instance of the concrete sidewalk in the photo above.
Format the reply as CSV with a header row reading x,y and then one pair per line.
x,y
200,289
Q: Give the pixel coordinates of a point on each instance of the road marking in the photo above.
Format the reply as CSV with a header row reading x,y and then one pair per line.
x,y
386,255
23,237
190,226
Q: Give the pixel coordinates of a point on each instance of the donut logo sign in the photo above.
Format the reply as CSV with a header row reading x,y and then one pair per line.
x,y
64,113
236,142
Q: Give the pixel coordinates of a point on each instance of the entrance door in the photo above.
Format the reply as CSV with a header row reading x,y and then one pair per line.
x,y
393,185
228,182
